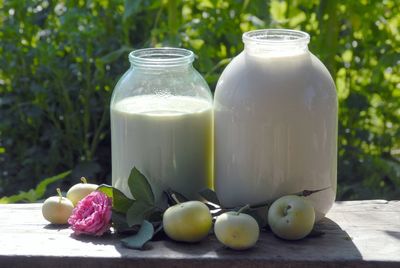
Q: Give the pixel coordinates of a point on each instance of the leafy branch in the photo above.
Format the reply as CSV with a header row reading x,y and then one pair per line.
x,y
144,217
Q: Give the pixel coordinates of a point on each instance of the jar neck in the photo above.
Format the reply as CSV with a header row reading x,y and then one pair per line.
x,y
159,59
276,42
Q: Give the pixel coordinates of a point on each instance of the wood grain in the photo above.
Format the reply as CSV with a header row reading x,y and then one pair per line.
x,y
357,233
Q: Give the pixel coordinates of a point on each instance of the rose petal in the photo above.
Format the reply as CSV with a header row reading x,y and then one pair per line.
x,y
92,215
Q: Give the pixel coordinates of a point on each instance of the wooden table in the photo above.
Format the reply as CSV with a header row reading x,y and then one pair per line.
x,y
357,233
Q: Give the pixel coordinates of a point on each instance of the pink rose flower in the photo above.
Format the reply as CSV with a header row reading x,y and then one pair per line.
x,y
92,215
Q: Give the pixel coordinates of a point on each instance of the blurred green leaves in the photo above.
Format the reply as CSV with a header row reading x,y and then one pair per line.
x,y
131,8
60,61
34,194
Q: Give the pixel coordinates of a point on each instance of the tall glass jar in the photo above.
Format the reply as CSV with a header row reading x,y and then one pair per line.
x,y
161,123
275,112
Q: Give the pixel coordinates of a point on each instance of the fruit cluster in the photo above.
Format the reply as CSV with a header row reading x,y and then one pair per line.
x,y
57,209
289,217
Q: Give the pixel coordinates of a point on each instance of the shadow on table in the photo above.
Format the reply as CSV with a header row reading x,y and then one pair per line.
x,y
394,234
332,244
106,239
165,247
188,249
56,227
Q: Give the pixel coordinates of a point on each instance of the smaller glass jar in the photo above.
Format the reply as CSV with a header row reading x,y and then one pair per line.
x,y
161,123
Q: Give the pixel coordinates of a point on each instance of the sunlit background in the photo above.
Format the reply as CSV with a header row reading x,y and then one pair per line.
x,y
61,59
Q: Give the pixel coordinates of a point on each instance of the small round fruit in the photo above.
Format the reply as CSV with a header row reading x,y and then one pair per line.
x,y
291,217
57,209
187,222
79,191
236,230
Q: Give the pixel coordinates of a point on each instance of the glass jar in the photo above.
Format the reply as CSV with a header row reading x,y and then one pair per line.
x,y
161,123
275,112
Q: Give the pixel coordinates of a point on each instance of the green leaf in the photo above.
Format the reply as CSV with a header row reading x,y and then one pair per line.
x,y
136,213
114,55
140,187
42,186
162,202
121,203
34,194
210,196
119,222
131,8
138,240
120,225
260,214
154,216
106,189
31,196
159,229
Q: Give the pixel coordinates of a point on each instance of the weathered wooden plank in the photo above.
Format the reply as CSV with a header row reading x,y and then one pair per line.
x,y
357,233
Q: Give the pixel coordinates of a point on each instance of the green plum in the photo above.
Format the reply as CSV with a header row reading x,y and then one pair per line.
x,y
188,221
291,217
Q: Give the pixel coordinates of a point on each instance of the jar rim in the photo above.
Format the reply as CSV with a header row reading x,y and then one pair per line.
x,y
163,56
276,37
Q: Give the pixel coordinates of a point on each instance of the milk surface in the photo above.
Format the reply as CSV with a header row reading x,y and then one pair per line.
x,y
275,130
169,139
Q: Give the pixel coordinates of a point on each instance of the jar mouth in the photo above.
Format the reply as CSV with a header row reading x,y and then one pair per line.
x,y
161,57
276,37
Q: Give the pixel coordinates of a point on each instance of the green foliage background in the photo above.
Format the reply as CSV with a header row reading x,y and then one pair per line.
x,y
61,59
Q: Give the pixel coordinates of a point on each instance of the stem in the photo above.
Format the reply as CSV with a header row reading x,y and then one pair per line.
x,y
285,211
220,64
246,207
83,180
68,108
175,198
330,43
245,4
173,21
153,40
59,194
287,15
98,131
310,192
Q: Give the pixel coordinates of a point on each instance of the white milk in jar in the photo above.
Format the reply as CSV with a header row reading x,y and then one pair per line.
x,y
161,132
275,123
161,123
